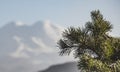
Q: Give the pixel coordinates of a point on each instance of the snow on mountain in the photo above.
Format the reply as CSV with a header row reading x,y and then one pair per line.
x,y
29,48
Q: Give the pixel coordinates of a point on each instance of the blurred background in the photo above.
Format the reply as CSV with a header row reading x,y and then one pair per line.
x,y
30,29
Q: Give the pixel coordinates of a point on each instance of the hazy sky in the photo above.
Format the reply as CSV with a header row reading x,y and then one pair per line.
x,y
62,12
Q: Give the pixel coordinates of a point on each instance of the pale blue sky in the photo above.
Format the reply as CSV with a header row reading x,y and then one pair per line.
x,y
62,12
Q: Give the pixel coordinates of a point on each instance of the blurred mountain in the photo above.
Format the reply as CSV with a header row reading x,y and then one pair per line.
x,y
66,67
29,48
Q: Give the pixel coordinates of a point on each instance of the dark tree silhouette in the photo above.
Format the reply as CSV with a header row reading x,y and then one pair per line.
x,y
96,50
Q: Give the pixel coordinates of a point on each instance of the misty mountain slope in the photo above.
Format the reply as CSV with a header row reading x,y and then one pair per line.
x,y
29,48
66,67
36,35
